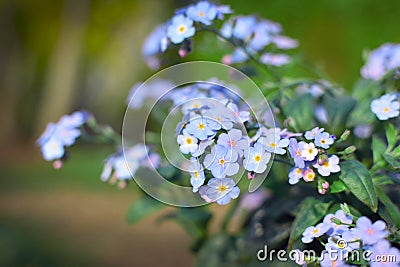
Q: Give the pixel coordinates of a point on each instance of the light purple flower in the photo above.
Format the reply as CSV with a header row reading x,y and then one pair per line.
x,y
338,229
256,158
284,42
240,115
222,190
261,36
383,255
335,261
221,162
52,149
244,26
295,175
386,107
275,59
329,166
274,144
370,233
381,60
295,152
314,231
180,28
197,176
323,140
203,12
234,141
310,135
202,128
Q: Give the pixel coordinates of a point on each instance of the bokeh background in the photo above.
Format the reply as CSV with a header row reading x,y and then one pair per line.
x,y
64,55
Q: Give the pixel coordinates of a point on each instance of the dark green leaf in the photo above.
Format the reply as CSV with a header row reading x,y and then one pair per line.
x,y
378,148
391,209
382,180
359,181
300,110
338,110
392,161
311,212
142,207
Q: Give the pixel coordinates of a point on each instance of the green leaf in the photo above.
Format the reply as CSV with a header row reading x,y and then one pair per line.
x,y
338,110
382,180
378,148
311,212
391,135
392,161
337,187
142,207
391,209
359,181
300,109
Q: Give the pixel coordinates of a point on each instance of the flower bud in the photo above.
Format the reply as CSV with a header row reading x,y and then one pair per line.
x,y
57,164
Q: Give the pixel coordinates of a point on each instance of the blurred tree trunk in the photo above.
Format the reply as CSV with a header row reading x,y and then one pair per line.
x,y
63,69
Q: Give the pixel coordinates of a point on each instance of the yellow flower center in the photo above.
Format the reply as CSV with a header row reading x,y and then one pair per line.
x,y
222,161
315,231
310,151
181,29
326,164
232,143
189,140
196,105
257,158
370,231
222,188
298,171
201,126
323,141
196,174
386,110
201,14
273,145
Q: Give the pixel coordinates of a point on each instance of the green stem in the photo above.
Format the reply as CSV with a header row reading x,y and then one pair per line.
x,y
263,66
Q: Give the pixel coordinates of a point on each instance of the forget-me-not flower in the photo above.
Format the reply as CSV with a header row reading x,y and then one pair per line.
x,y
256,158
329,166
370,233
295,151
274,144
187,143
203,12
197,176
314,231
323,140
234,141
386,107
180,28
222,190
221,161
202,128
310,135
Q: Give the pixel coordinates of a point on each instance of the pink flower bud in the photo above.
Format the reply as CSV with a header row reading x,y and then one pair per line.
x,y
227,59
250,175
57,164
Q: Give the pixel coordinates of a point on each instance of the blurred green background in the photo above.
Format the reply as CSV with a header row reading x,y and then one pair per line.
x,y
59,56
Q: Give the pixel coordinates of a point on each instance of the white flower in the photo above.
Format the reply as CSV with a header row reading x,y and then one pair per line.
x,y
329,166
188,143
309,151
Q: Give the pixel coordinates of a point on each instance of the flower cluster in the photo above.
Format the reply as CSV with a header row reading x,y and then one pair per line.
x,y
340,236
121,166
254,36
381,60
387,106
180,28
310,155
61,134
